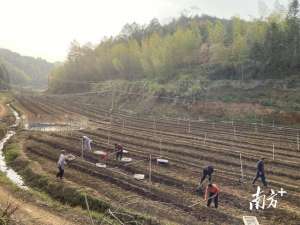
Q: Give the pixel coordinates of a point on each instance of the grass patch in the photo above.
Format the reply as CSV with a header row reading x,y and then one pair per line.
x,y
12,151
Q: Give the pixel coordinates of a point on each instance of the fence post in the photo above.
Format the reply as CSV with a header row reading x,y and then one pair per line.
x,y
160,146
88,208
241,162
298,144
150,169
234,132
82,148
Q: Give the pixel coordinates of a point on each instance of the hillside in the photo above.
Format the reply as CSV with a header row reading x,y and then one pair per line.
x,y
188,48
25,71
199,60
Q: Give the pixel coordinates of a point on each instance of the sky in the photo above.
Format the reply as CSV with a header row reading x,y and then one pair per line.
x,y
45,28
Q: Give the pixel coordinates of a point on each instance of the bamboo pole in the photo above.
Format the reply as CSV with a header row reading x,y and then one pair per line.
x,y
160,147
234,132
298,144
82,148
88,208
242,172
150,168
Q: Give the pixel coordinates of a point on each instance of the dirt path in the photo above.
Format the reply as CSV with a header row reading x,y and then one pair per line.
x,y
28,213
2,111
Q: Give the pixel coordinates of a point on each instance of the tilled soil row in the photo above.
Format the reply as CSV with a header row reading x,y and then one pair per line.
x,y
140,188
183,184
280,151
228,199
221,128
187,149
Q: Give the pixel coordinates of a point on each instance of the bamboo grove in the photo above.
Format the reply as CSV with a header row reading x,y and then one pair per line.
x,y
196,46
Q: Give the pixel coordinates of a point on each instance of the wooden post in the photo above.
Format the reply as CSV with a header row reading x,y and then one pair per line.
x,y
298,144
112,99
241,162
160,146
150,168
88,208
273,152
154,125
205,138
82,148
234,132
108,136
109,132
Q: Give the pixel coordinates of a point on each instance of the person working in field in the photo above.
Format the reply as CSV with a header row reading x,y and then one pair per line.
x,y
212,194
119,150
260,172
87,143
207,171
61,165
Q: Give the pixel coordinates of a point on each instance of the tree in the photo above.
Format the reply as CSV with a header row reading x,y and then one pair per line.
x,y
293,34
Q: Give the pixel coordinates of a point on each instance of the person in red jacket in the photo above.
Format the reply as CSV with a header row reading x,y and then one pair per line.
x,y
212,193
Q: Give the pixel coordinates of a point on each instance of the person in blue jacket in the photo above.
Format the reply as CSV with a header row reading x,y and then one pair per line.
x,y
260,172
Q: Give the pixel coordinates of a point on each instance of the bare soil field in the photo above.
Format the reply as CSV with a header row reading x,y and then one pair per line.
x,y
188,145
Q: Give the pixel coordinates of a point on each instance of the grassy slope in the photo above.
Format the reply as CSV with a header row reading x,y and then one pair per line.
x,y
269,100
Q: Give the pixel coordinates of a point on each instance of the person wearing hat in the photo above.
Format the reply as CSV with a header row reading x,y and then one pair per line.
x,y
61,165
260,171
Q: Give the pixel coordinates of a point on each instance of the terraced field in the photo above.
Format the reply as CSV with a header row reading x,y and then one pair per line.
x,y
233,148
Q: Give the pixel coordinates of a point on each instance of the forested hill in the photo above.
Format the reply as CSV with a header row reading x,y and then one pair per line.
x,y
24,71
189,48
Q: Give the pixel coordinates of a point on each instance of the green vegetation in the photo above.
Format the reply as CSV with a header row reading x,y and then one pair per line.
x,y
12,151
196,47
23,71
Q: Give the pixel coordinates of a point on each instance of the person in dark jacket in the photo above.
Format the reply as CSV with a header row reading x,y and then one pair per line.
x,y
260,172
119,149
207,171
61,165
